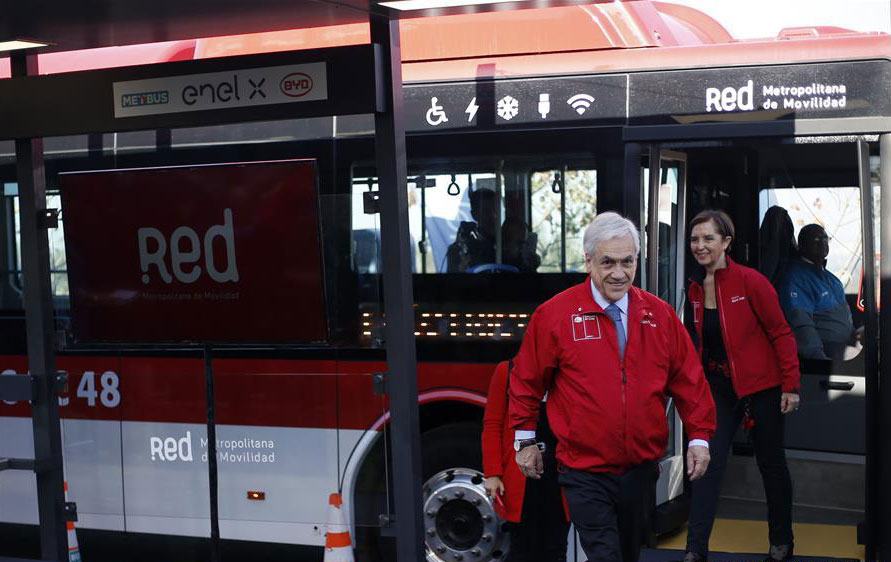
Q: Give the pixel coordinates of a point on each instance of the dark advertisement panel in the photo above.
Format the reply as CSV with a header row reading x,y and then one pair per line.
x,y
218,253
765,93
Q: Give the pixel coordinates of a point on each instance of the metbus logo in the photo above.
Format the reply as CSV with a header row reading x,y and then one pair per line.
x,y
296,84
145,98
180,257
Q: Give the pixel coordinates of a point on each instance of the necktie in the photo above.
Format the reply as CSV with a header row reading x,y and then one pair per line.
x,y
616,315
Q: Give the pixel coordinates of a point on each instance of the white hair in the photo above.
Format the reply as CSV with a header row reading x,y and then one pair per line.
x,y
608,226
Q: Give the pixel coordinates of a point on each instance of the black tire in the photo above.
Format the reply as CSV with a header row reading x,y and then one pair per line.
x,y
449,446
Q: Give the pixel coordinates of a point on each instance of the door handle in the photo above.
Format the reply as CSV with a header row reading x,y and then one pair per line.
x,y
834,385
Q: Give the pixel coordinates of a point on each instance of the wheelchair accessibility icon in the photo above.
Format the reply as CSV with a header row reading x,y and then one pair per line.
x,y
436,114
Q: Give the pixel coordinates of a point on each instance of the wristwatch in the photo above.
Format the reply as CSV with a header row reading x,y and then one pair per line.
x,y
520,444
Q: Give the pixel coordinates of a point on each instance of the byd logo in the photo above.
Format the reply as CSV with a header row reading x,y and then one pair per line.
x,y
296,84
730,98
185,249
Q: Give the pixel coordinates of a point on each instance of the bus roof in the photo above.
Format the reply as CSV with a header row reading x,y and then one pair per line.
x,y
577,39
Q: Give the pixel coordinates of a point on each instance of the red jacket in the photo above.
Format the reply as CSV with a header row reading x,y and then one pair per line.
x,y
498,447
761,349
608,413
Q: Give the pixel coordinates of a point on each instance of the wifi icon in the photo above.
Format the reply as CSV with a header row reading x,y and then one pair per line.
x,y
580,103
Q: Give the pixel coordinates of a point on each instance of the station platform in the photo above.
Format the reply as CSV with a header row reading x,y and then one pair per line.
x,y
732,540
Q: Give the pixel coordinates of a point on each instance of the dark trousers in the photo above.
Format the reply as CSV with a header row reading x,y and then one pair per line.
x,y
768,440
611,513
541,535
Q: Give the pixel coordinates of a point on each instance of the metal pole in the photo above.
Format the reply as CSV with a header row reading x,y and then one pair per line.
x,y
212,481
39,326
652,281
879,420
402,383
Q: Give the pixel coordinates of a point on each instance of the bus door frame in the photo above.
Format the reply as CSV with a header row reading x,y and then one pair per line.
x,y
671,474
875,532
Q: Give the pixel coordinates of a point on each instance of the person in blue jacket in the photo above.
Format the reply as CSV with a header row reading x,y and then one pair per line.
x,y
813,299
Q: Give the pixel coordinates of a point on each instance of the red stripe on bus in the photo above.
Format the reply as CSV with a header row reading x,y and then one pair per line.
x,y
261,392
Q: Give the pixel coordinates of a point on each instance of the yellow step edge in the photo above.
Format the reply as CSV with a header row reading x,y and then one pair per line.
x,y
811,539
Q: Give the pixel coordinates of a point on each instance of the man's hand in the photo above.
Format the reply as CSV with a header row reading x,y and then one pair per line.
x,y
530,463
698,458
494,486
789,402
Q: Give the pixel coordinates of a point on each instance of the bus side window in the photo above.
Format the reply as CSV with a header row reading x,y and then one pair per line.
x,y
574,191
800,286
12,282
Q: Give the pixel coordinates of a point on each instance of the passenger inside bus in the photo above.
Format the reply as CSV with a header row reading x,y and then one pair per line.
x,y
814,299
776,242
475,247
518,245
475,241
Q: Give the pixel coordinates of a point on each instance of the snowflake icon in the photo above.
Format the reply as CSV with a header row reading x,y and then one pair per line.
x,y
508,108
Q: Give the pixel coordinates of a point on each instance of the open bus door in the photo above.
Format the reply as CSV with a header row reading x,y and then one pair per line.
x,y
663,185
831,182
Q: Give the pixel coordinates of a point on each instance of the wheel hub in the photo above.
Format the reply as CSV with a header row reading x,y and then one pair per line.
x,y
460,521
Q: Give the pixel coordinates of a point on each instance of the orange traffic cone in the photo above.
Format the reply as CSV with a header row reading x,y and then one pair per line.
x,y
338,547
73,550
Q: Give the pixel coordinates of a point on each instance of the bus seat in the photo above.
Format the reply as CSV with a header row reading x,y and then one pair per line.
x,y
366,253
776,243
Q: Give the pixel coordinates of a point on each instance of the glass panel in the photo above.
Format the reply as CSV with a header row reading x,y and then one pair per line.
x,y
671,173
837,210
581,208
287,440
56,238
820,302
92,444
547,219
462,214
163,448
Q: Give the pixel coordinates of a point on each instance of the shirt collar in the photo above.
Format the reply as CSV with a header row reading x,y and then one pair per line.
x,y
622,303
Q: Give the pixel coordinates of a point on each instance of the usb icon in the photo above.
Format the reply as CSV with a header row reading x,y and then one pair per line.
x,y
544,104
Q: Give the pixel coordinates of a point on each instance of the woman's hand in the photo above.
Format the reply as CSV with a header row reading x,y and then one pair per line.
x,y
789,402
494,486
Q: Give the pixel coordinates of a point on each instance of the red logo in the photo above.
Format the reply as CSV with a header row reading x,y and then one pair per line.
x,y
296,84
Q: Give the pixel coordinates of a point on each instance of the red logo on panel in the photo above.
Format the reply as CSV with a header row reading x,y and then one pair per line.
x,y
296,84
222,253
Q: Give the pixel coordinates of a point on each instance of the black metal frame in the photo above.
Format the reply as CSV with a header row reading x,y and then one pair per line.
x,y
375,86
47,463
879,406
402,385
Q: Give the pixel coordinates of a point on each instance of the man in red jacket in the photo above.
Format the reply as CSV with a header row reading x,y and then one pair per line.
x,y
609,355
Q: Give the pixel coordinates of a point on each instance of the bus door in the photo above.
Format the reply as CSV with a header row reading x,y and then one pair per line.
x,y
831,418
663,185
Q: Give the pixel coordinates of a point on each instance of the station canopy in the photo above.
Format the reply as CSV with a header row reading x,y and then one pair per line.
x,y
71,26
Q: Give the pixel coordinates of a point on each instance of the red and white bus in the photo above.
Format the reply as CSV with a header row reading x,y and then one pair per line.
x,y
648,108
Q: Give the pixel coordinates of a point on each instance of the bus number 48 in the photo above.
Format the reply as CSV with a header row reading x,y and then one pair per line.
x,y
108,392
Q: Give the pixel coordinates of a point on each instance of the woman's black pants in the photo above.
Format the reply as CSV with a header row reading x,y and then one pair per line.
x,y
768,440
542,534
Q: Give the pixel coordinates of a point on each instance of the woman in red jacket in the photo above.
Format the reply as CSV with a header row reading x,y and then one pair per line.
x,y
750,359
533,508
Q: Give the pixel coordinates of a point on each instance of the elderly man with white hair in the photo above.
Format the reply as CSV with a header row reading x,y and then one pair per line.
x,y
609,355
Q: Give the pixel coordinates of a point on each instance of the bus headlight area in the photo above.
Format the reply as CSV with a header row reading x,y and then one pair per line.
x,y
459,519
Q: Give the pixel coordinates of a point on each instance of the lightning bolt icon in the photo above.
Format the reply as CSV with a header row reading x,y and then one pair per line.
x,y
471,110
